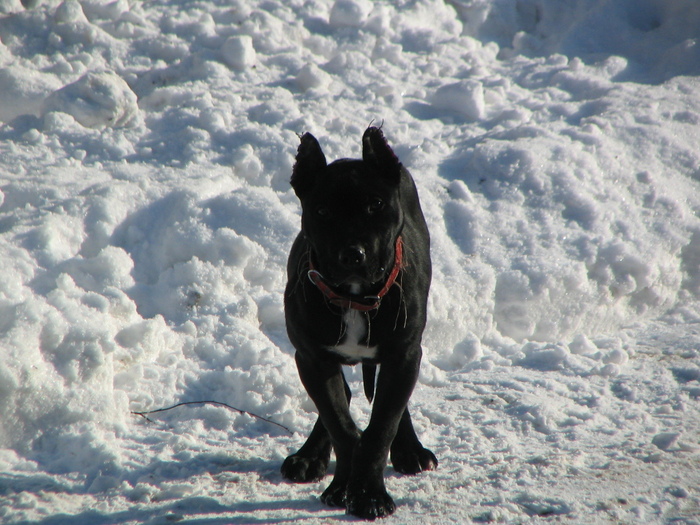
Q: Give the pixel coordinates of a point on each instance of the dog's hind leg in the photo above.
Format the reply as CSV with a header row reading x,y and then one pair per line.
x,y
310,462
408,455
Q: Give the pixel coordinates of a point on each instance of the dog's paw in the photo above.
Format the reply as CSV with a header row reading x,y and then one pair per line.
x,y
335,495
413,461
300,469
370,505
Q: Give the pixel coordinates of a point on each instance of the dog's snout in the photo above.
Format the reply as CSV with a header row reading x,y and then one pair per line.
x,y
353,257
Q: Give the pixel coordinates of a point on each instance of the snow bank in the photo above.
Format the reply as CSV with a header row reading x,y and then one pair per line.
x,y
145,218
656,39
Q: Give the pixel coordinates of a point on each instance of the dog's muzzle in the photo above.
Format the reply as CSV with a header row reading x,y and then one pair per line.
x,y
367,303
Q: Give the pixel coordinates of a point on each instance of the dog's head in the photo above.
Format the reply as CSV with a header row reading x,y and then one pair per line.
x,y
351,212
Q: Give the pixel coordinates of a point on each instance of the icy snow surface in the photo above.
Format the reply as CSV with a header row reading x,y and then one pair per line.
x,y
145,218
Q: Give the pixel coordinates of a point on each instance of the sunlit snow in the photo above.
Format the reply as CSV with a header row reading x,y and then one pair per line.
x,y
146,215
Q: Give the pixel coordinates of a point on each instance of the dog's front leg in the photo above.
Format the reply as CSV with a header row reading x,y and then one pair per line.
x,y
325,384
366,494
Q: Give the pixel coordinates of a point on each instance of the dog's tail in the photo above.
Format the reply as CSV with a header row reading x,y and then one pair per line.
x,y
369,374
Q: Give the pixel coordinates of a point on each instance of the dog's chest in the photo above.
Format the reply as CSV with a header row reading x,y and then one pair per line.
x,y
352,345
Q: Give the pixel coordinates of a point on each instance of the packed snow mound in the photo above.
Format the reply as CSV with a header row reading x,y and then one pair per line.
x,y
96,100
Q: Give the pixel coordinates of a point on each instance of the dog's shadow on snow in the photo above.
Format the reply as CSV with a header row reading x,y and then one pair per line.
x,y
199,510
155,500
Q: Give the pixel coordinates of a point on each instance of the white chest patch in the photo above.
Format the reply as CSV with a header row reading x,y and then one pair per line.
x,y
350,346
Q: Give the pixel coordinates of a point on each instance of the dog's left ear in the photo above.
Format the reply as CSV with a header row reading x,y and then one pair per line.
x,y
310,160
376,150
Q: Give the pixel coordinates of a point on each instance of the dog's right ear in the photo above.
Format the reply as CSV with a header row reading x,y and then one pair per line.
x,y
310,160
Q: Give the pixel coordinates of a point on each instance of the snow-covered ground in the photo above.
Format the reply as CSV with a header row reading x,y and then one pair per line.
x,y
145,218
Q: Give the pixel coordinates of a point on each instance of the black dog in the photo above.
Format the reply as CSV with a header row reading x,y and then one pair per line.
x,y
358,279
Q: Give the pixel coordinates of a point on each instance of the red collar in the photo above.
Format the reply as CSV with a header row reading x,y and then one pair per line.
x,y
363,304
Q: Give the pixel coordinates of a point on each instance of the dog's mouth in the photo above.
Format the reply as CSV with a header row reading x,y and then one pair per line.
x,y
352,292
358,286
360,282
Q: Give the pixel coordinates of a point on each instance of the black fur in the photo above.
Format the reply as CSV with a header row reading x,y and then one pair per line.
x,y
353,211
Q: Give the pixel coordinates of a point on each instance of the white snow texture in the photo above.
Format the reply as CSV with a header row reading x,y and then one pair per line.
x,y
146,215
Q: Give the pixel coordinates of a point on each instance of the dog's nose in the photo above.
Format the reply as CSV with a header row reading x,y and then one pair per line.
x,y
353,256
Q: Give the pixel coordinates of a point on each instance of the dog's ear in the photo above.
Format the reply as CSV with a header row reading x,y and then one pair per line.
x,y
376,150
309,161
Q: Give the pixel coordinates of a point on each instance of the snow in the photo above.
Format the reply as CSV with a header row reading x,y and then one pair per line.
x,y
146,216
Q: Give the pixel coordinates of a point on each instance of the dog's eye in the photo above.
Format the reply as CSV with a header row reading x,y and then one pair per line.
x,y
322,211
375,205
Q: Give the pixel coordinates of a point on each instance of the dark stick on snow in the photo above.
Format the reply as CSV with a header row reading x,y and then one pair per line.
x,y
217,403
